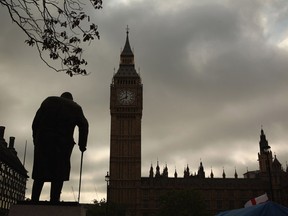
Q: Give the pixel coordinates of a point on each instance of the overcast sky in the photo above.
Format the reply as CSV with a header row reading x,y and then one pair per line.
x,y
213,72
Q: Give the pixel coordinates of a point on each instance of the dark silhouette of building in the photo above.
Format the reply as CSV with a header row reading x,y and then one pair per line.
x,y
140,195
13,175
125,143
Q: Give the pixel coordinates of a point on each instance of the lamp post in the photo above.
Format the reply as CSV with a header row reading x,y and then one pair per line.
x,y
266,150
107,178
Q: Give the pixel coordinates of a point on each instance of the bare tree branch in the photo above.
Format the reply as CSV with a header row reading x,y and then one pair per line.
x,y
57,28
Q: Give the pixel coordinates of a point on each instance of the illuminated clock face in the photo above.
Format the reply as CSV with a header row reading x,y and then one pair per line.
x,y
126,97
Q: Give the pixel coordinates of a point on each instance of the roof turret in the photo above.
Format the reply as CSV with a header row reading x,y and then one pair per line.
x,y
151,172
175,173
223,174
263,143
165,171
9,154
211,174
201,172
157,170
186,172
276,165
236,174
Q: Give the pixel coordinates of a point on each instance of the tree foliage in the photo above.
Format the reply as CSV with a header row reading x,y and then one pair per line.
x,y
57,28
102,208
182,203
98,208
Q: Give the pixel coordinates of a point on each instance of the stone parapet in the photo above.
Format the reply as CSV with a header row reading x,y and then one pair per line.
x,y
47,209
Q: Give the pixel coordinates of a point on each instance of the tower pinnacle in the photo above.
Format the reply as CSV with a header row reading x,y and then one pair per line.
x,y
127,66
127,51
263,143
127,29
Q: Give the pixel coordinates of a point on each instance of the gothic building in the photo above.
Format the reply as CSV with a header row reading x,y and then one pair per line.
x,y
13,175
140,195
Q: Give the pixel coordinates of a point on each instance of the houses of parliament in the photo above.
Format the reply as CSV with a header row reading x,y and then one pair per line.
x,y
140,195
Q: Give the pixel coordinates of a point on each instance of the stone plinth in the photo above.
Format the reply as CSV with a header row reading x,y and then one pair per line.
x,y
47,209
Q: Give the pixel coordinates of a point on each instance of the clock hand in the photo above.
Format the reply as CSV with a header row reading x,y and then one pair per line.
x,y
123,98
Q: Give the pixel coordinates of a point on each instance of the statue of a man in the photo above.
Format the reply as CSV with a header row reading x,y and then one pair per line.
x,y
53,128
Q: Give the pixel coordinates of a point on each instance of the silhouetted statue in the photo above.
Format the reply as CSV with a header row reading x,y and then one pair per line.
x,y
53,128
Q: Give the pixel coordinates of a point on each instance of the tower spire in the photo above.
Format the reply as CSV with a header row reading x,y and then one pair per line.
x,y
127,66
265,155
263,143
127,30
235,174
201,172
223,174
127,56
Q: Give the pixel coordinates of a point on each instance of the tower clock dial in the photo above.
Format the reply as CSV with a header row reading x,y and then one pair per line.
x,y
126,97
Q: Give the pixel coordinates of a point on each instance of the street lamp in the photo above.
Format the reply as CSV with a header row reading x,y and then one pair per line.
x,y
107,178
266,150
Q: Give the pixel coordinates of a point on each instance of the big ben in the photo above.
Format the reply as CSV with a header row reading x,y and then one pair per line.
x,y
126,99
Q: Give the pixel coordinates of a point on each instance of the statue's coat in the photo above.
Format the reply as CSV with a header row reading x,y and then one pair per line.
x,y
53,129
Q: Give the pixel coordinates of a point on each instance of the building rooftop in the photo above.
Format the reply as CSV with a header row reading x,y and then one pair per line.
x,y
9,154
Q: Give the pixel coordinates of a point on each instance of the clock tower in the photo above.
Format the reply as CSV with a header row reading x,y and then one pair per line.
x,y
126,96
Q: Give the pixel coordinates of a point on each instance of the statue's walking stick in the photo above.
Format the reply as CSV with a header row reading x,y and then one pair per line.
x,y
80,176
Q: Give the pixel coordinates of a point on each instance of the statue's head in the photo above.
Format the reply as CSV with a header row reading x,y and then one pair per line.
x,y
67,95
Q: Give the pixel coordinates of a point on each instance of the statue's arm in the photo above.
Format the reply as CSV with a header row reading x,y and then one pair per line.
x,y
83,127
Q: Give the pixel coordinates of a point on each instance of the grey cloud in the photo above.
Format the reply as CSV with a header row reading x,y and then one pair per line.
x,y
211,78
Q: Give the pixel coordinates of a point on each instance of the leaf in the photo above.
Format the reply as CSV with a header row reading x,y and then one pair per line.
x,y
74,40
87,37
93,26
63,24
30,42
77,50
